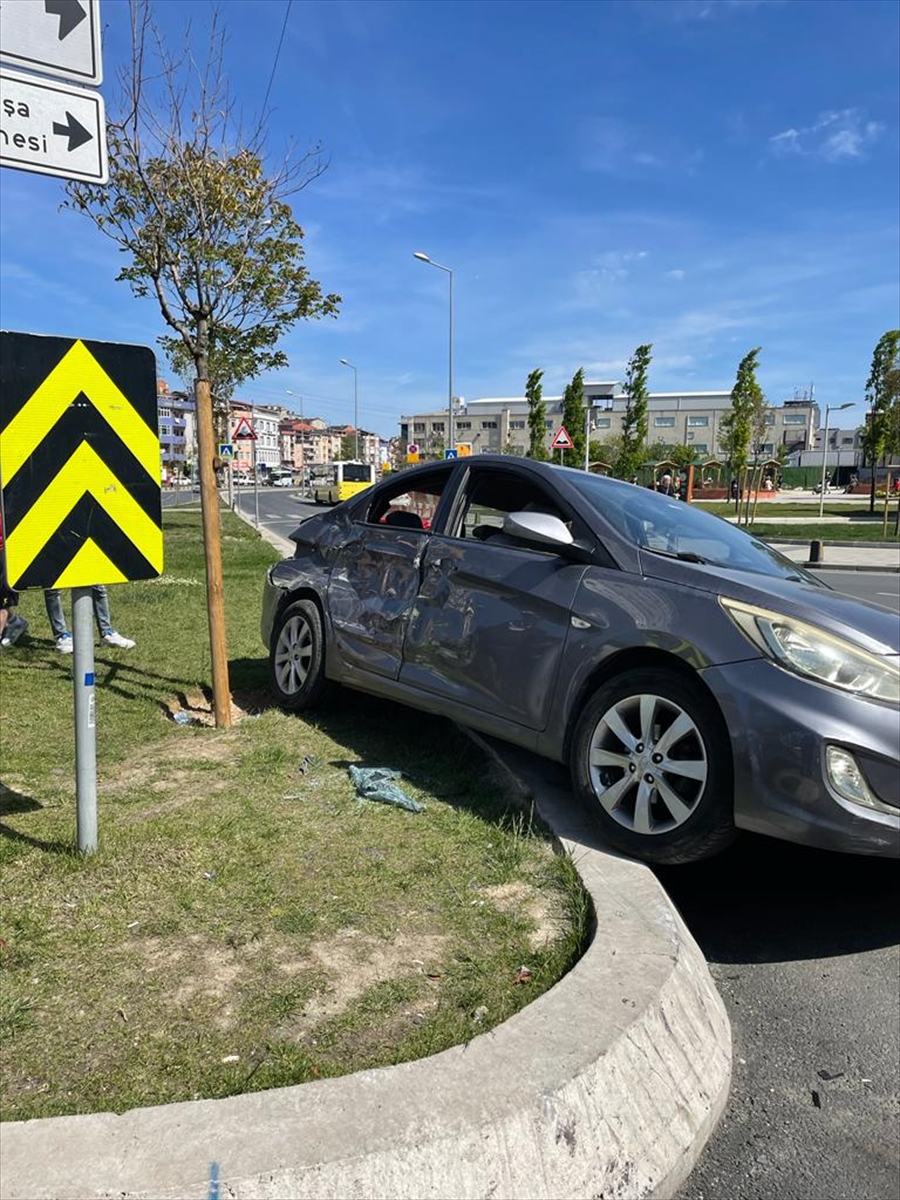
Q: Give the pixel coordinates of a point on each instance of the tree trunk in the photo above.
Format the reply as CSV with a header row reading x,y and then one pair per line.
x,y
212,542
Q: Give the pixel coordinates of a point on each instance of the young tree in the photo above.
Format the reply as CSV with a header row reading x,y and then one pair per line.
x,y
573,419
881,402
205,227
537,417
348,447
738,424
634,422
606,450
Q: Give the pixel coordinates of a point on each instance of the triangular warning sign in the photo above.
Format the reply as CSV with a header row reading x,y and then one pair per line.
x,y
561,440
244,429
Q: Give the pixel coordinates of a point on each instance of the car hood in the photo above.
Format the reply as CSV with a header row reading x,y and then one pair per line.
x,y
875,629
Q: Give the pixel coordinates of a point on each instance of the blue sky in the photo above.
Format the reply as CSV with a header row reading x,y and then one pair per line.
x,y
705,175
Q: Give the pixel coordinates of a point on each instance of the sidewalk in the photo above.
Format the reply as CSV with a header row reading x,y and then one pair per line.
x,y
851,556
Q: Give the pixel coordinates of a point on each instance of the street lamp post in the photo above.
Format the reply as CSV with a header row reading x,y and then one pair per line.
x,y
345,363
828,409
425,259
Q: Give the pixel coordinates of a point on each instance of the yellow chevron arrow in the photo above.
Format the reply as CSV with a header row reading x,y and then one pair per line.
x,y
77,371
84,472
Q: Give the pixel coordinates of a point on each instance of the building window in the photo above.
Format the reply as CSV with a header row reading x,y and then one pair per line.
x,y
549,424
767,448
488,424
437,426
704,421
602,422
769,418
701,448
419,427
667,422
517,424
795,418
463,424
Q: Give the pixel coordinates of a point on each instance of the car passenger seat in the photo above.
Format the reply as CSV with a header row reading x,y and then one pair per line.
x,y
404,520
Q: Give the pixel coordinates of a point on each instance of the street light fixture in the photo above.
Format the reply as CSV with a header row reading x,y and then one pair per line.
x,y
425,259
829,408
346,363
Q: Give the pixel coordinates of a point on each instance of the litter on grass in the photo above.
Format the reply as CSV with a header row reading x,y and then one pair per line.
x,y
376,783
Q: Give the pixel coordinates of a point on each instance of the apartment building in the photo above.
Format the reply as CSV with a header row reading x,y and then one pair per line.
x,y
177,432
498,425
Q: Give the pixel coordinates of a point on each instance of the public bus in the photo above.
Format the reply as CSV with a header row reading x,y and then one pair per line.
x,y
336,481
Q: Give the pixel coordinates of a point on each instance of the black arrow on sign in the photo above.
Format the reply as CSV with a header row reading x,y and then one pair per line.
x,y
74,130
70,14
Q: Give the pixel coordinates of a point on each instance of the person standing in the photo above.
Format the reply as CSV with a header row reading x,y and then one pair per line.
x,y
12,626
665,485
63,635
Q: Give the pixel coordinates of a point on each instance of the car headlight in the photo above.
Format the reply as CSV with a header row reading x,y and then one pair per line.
x,y
818,655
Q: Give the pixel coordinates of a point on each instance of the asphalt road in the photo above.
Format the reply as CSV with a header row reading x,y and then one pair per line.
x,y
803,946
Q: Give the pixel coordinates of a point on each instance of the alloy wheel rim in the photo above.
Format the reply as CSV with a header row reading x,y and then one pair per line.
x,y
648,764
293,655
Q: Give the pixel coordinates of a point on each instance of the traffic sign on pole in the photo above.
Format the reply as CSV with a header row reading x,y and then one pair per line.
x,y
55,37
79,458
561,440
226,450
52,128
242,430
450,454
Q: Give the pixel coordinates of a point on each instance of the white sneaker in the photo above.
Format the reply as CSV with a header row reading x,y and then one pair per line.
x,y
116,639
64,643
15,627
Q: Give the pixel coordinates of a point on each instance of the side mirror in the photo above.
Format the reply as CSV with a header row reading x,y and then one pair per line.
x,y
540,529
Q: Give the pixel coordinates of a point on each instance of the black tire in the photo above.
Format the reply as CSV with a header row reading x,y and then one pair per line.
x,y
650,756
297,657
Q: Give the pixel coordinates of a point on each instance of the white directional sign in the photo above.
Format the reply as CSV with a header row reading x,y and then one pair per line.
x,y
52,128
55,37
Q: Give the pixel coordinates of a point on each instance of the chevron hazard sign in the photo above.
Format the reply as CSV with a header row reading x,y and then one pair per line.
x,y
79,462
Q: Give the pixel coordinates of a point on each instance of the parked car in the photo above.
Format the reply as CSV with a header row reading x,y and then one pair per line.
x,y
695,681
282,481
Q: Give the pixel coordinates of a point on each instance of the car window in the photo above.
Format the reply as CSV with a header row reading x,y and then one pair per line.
x,y
491,495
663,525
412,506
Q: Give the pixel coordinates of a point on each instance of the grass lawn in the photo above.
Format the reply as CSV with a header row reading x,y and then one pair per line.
x,y
851,532
247,922
859,524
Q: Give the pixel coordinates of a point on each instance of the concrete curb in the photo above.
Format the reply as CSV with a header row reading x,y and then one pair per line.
x,y
607,1085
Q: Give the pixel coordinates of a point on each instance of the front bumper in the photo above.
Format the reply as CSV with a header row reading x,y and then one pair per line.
x,y
780,726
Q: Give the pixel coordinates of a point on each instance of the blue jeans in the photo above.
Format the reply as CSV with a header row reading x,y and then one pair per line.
x,y
53,600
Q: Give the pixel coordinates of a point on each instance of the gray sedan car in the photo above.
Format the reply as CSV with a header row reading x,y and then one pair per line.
x,y
694,680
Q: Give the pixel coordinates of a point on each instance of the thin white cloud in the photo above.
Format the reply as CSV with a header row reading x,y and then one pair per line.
x,y
836,136
675,273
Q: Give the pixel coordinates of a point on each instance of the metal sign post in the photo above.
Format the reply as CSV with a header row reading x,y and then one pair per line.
x,y
255,483
85,723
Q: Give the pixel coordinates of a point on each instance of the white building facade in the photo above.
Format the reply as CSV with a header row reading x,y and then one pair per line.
x,y
500,425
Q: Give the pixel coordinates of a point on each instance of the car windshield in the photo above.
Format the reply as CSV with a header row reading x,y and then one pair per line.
x,y
671,528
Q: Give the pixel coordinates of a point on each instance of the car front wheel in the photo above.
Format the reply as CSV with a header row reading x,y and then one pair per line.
x,y
297,656
650,755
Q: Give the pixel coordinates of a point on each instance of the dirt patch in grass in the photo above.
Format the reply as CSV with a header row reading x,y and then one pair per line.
x,y
350,964
541,908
